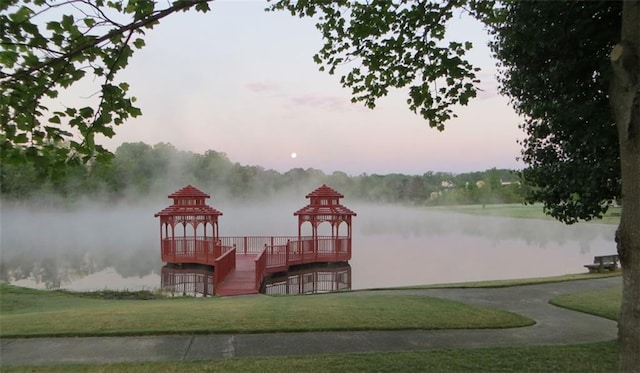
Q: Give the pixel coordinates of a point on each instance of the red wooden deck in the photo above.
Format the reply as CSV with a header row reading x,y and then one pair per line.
x,y
241,263
244,271
241,280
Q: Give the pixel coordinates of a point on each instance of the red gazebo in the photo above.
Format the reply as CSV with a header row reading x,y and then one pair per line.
x,y
197,239
324,206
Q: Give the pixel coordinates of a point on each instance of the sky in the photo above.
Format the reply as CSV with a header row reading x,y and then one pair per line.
x,y
242,81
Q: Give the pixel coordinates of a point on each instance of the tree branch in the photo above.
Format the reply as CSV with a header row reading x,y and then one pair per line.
x,y
177,6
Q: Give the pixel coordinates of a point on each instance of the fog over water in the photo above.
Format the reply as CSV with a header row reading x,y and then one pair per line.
x,y
117,246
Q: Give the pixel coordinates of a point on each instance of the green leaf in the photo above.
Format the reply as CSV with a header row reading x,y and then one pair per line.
x,y
139,43
202,7
21,15
21,138
8,58
54,26
117,5
86,112
89,22
135,112
67,22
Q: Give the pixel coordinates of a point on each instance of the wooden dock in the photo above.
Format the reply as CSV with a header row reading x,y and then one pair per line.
x,y
189,236
241,280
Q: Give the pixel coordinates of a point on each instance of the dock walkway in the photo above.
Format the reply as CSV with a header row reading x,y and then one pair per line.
x,y
242,280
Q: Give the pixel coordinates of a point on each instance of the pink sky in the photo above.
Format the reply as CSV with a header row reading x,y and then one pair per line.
x,y
241,81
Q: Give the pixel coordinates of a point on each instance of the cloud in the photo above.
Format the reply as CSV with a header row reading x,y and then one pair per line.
x,y
321,101
261,86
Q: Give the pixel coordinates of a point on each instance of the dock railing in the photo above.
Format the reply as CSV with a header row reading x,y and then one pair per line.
x,y
261,266
223,264
254,244
282,251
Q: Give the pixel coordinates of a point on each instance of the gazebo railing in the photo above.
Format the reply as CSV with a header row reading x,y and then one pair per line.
x,y
281,257
192,249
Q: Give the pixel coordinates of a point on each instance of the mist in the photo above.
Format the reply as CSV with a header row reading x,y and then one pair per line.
x,y
89,245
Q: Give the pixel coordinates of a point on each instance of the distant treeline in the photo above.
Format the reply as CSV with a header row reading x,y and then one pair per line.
x,y
138,170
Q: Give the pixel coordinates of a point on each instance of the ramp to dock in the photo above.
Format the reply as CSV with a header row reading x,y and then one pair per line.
x,y
242,280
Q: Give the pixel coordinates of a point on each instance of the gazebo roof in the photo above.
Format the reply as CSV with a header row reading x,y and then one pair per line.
x,y
332,207
324,210
186,193
189,192
178,210
324,191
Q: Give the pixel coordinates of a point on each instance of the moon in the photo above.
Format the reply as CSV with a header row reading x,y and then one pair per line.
x,y
293,155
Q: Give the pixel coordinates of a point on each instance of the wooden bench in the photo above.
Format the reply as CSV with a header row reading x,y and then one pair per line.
x,y
600,263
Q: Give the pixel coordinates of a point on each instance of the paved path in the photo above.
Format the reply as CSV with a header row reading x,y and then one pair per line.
x,y
553,326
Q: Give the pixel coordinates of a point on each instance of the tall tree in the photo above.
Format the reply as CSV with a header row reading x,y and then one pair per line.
x,y
625,101
579,152
400,45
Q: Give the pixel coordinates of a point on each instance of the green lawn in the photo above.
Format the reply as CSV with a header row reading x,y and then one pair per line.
x,y
387,312
603,303
31,313
519,281
521,211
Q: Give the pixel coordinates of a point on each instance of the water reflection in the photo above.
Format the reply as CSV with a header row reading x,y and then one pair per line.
x,y
318,278
196,280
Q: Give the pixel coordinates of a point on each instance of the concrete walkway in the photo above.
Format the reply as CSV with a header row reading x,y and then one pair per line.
x,y
554,326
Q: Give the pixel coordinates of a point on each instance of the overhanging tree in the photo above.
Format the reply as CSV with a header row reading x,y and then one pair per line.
x,y
573,74
46,47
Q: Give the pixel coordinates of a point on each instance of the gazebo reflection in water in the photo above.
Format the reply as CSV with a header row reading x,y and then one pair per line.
x,y
201,262
197,281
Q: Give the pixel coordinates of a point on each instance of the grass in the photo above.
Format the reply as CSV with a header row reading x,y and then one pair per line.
x,y
35,313
521,211
517,282
603,303
596,357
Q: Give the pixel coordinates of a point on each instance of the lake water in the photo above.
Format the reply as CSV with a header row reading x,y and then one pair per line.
x,y
117,247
